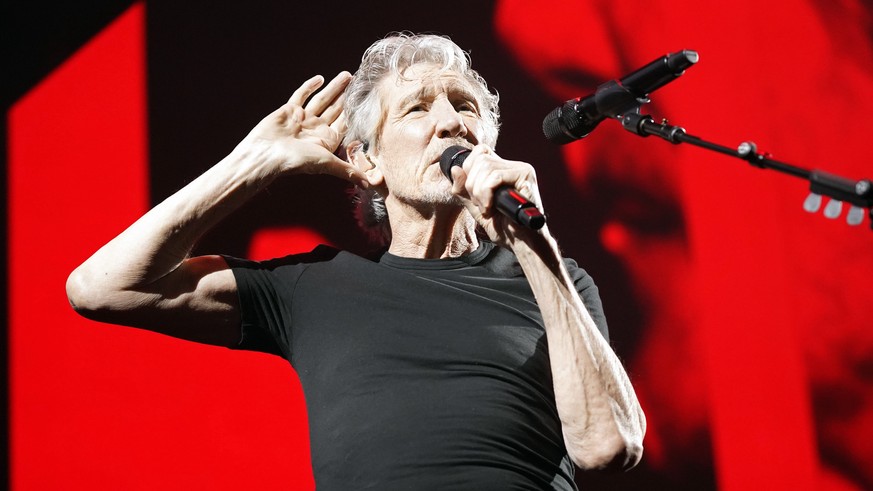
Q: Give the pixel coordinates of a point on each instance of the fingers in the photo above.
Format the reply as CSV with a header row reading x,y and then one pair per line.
x,y
459,181
328,102
484,172
333,111
482,168
338,167
339,125
304,91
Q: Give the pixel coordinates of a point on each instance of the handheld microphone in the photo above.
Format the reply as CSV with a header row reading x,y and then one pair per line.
x,y
506,199
578,117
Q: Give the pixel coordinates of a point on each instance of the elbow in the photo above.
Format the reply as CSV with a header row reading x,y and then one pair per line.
x,y
77,291
615,453
83,294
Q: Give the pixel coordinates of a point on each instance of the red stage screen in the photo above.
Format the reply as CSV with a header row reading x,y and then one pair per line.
x,y
742,320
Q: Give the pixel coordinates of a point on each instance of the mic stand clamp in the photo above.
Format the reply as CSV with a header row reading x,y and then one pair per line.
x,y
644,125
840,189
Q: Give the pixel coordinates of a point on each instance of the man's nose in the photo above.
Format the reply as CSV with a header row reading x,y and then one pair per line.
x,y
449,123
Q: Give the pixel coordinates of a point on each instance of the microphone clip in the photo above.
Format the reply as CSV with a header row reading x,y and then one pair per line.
x,y
614,100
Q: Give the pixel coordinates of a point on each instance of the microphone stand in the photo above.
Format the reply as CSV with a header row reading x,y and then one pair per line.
x,y
839,189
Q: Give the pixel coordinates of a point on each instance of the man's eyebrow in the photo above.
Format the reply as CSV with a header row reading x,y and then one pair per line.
x,y
454,91
416,96
465,93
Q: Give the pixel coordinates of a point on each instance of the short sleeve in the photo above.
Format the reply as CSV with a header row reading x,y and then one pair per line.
x,y
264,299
266,293
590,295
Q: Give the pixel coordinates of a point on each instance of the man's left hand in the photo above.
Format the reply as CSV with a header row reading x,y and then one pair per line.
x,y
476,183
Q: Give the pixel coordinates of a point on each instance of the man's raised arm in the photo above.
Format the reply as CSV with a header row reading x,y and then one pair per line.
x,y
145,278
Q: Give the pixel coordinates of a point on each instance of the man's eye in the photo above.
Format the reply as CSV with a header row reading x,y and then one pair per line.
x,y
466,106
416,108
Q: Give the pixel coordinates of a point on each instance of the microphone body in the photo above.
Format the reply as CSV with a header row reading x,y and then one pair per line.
x,y
578,117
506,199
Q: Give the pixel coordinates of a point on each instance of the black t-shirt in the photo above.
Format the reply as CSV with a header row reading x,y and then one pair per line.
x,y
418,374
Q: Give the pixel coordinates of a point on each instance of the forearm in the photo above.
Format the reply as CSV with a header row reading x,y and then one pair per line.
x,y
162,239
602,421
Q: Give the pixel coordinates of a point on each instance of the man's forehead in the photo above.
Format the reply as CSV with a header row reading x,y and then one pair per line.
x,y
423,79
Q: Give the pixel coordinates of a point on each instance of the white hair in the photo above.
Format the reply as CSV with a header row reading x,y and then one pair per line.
x,y
391,56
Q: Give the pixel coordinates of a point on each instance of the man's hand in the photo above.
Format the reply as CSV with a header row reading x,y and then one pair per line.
x,y
476,182
302,135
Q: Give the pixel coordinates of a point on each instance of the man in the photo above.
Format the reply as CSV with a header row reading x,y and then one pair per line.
x,y
441,366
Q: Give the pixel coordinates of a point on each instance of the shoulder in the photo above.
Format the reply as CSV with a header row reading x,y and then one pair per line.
x,y
321,265
500,261
579,276
321,254
503,262
589,293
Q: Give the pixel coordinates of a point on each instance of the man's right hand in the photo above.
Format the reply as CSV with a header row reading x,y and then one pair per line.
x,y
302,135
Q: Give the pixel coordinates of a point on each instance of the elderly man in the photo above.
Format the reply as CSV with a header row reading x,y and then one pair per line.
x,y
452,362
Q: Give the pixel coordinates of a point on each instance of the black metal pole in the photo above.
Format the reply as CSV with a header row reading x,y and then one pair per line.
x,y
859,193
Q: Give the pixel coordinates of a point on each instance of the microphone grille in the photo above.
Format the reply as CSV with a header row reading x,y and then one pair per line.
x,y
552,127
563,125
452,156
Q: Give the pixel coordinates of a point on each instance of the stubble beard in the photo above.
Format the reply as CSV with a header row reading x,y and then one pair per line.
x,y
432,195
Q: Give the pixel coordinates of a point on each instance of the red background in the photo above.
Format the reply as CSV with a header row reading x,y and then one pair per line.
x,y
757,376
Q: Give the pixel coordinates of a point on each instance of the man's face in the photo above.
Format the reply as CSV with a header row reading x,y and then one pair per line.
x,y
423,112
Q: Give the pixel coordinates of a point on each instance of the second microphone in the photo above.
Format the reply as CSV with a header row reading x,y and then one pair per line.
x,y
506,199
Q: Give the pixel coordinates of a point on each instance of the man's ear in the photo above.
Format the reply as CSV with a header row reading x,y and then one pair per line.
x,y
358,156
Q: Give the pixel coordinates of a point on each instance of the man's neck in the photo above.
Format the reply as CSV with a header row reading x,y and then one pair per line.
x,y
431,234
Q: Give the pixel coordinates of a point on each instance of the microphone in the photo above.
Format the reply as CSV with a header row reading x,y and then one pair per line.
x,y
578,117
509,201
